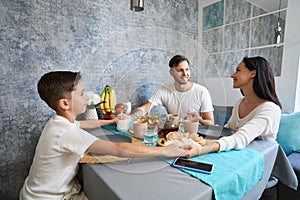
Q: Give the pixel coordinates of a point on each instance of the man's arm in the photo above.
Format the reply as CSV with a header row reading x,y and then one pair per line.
x,y
144,108
207,118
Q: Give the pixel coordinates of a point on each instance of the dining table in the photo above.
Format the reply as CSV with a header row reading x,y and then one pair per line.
x,y
153,178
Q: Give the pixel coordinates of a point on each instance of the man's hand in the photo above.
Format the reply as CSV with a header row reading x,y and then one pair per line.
x,y
206,118
193,116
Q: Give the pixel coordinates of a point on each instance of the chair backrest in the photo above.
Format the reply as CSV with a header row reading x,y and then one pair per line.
x,y
222,114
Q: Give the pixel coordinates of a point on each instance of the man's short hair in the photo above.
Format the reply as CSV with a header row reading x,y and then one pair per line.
x,y
176,60
57,85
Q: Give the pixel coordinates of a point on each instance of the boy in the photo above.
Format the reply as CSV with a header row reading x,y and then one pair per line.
x,y
63,142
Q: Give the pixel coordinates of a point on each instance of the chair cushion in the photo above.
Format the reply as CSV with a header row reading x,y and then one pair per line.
x,y
289,132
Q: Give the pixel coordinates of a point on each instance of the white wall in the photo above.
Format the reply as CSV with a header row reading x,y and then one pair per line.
x,y
297,98
287,85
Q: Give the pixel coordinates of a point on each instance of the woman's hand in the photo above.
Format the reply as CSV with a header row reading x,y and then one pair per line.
x,y
203,147
175,150
192,150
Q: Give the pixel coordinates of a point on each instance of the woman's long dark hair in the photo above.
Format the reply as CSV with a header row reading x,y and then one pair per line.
x,y
264,83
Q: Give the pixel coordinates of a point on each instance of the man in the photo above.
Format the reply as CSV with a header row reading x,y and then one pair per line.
x,y
183,97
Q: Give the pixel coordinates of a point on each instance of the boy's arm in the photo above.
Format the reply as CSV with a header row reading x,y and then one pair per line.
x,y
94,123
128,150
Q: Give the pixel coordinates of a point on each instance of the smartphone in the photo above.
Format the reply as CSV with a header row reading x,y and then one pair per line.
x,y
181,162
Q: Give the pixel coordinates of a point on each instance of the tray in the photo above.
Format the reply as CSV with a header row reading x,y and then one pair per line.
x,y
214,132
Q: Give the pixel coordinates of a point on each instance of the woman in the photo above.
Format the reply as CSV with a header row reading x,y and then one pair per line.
x,y
257,114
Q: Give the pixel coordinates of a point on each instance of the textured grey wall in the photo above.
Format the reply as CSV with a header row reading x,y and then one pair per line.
x,y
233,29
103,39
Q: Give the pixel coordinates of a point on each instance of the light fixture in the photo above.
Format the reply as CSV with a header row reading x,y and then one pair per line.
x,y
278,29
137,5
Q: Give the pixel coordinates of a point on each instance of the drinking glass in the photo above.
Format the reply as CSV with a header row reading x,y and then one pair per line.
x,y
150,137
162,121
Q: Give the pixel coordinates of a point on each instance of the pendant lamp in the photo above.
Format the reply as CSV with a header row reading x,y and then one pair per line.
x,y
137,5
278,29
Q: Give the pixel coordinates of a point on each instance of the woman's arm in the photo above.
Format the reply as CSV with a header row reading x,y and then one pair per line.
x,y
264,123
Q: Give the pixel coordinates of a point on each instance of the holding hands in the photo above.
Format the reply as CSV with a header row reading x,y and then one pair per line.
x,y
175,150
195,148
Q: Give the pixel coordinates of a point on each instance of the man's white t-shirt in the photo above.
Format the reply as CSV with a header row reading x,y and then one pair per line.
x,y
262,123
55,163
197,99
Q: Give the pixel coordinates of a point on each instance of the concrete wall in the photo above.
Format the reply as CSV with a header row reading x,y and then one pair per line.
x,y
103,39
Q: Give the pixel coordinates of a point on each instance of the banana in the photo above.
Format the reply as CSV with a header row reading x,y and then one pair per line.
x,y
107,99
112,99
102,98
109,96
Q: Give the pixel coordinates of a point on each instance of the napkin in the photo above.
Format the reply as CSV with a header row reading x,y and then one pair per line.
x,y
113,128
235,172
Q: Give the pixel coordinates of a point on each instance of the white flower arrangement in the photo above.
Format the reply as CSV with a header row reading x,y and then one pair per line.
x,y
94,99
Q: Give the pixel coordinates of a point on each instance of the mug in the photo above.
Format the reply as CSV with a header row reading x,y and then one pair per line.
x,y
191,126
123,108
128,107
123,125
120,108
139,129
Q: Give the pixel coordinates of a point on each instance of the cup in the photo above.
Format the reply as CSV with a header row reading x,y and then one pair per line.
x,y
162,121
191,126
120,108
150,137
139,129
128,107
123,125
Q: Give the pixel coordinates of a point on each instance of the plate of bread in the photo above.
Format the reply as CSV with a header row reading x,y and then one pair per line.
x,y
180,138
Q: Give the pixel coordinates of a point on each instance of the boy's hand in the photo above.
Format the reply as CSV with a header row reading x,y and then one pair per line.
x,y
173,150
116,118
122,116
